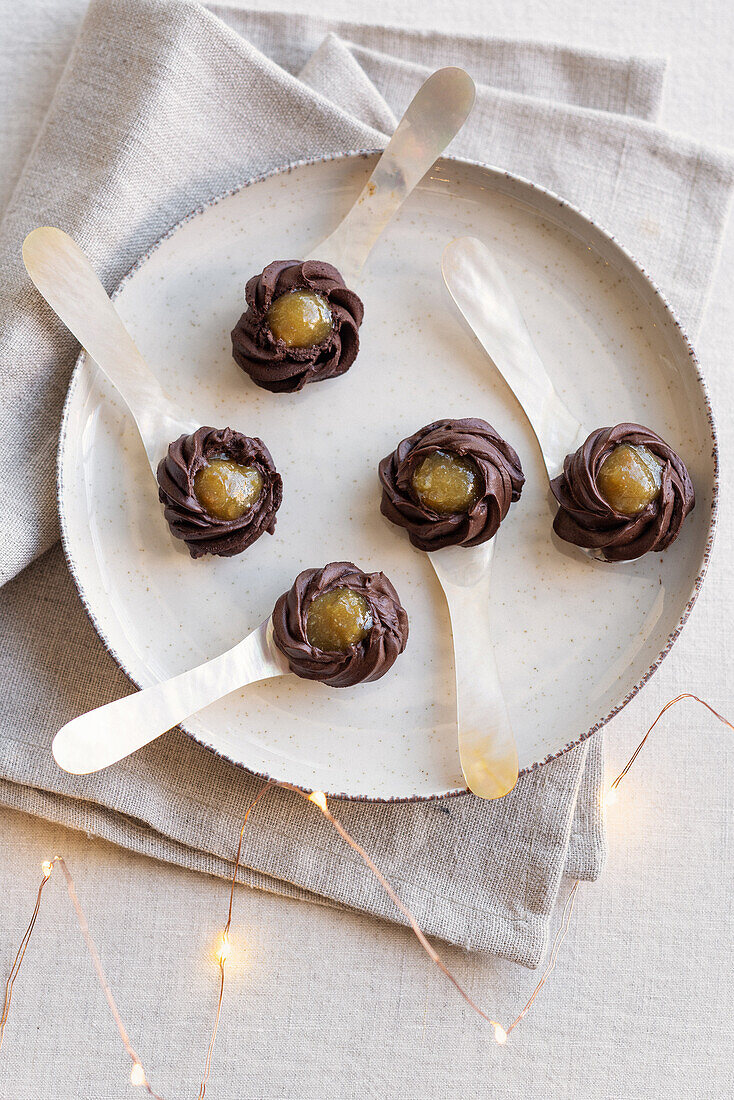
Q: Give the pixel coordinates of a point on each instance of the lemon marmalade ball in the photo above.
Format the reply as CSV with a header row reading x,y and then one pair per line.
x,y
337,620
300,318
226,489
340,625
446,483
629,479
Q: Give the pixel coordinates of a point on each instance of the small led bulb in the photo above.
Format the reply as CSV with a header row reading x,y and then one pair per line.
x,y
137,1074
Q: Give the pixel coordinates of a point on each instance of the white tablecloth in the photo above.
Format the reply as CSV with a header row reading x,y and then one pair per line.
x,y
341,1006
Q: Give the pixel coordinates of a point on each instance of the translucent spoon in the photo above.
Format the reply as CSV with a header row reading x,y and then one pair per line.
x,y
479,288
108,734
66,279
435,115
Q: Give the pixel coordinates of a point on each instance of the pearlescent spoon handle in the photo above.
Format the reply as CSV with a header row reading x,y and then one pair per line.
x,y
66,279
480,290
103,736
437,112
487,747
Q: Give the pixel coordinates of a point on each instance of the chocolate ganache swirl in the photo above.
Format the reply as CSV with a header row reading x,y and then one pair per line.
x,y
188,519
369,659
270,362
586,519
500,482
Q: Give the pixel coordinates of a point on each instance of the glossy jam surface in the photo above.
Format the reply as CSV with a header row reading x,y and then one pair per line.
x,y
629,479
337,620
446,483
300,318
227,490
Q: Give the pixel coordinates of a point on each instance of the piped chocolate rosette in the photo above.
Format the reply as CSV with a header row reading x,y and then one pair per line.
x,y
624,492
339,625
301,325
220,489
451,483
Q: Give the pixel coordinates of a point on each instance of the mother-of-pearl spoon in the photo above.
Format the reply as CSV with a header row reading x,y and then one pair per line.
x,y
479,287
434,117
66,279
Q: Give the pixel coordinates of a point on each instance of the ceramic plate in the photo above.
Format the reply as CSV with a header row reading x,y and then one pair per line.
x,y
574,639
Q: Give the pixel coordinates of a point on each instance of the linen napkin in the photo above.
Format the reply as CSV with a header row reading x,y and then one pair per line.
x,y
164,103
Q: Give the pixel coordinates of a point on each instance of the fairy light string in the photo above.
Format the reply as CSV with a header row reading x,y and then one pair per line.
x,y
224,944
20,953
138,1075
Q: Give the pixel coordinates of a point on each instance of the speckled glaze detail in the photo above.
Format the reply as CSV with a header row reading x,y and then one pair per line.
x,y
273,365
500,483
537,194
188,519
368,660
586,519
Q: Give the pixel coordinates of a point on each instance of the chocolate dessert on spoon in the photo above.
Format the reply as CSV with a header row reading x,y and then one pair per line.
x,y
220,488
622,491
450,485
338,625
302,319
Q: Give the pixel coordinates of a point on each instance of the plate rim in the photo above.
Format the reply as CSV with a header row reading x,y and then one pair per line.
x,y
548,195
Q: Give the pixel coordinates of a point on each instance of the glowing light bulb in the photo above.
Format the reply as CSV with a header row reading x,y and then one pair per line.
x,y
47,867
224,947
611,796
319,799
137,1074
500,1034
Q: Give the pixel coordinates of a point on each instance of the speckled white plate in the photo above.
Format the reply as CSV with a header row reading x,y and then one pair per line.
x,y
574,639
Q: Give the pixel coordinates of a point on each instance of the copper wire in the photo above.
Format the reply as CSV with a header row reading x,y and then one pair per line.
x,y
19,956
218,1013
559,938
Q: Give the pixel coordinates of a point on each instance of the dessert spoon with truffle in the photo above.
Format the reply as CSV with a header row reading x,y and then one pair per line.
x,y
337,625
302,317
450,485
220,488
621,490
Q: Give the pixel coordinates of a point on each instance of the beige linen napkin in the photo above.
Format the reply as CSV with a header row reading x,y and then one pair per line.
x,y
162,105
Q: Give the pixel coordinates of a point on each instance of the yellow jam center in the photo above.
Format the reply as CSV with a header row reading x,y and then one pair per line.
x,y
227,490
446,483
629,479
300,318
338,620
